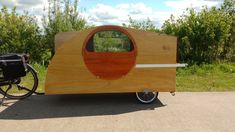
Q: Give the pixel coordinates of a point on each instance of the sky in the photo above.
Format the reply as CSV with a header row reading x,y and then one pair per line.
x,y
116,12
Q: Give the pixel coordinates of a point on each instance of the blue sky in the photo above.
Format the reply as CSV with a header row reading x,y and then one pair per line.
x,y
116,12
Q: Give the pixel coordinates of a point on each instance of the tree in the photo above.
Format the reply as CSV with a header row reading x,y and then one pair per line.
x,y
229,47
146,25
62,16
201,35
20,34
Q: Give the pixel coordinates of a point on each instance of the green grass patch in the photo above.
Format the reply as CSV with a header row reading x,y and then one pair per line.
x,y
207,77
41,70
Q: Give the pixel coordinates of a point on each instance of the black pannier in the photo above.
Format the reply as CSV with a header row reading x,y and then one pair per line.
x,y
13,66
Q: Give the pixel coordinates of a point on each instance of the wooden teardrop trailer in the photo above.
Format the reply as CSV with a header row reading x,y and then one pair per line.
x,y
118,61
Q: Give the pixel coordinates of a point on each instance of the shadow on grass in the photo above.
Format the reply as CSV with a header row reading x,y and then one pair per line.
x,y
55,106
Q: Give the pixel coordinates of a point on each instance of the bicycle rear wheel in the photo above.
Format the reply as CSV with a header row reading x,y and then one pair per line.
x,y
23,87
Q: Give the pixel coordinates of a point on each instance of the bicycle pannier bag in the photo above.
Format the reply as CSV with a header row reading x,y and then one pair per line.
x,y
13,66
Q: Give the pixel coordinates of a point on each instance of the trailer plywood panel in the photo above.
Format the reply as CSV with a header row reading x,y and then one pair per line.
x,y
68,73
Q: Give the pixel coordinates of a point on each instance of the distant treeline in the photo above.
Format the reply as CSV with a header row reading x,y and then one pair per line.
x,y
204,37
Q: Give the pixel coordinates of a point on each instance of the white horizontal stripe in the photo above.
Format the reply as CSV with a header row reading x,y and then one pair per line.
x,y
159,65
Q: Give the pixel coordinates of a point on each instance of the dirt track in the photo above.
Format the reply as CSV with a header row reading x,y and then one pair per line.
x,y
185,112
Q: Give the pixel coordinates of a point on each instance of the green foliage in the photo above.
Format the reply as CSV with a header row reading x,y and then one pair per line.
x,y
62,16
202,35
111,41
20,34
146,25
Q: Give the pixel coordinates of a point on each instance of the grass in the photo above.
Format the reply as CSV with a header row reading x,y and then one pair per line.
x,y
41,70
204,78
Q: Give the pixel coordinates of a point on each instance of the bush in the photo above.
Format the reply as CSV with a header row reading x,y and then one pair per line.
x,y
202,35
20,34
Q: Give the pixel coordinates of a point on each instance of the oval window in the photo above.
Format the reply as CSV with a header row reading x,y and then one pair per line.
x,y
109,53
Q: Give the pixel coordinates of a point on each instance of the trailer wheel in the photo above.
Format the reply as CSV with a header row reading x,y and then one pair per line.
x,y
146,97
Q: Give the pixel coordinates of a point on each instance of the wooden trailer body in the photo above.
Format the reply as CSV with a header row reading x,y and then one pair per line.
x,y
150,65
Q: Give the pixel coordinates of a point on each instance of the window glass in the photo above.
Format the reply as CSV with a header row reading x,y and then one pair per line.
x,y
109,41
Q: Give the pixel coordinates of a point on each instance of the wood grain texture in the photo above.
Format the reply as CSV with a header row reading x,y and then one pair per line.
x,y
68,73
109,65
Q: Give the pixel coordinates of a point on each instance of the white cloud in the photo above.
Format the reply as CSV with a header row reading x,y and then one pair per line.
x,y
23,4
197,4
140,8
123,6
8,3
105,14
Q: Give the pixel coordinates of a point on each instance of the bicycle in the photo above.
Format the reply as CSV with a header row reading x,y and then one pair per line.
x,y
18,79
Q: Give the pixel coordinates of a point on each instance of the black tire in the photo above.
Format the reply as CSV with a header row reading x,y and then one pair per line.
x,y
20,91
146,97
